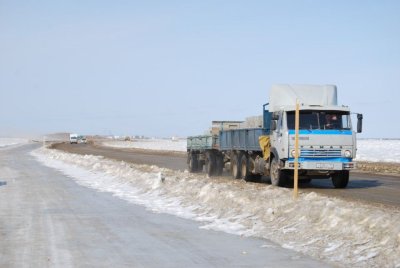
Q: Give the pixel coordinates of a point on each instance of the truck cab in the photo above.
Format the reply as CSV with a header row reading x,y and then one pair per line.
x,y
327,142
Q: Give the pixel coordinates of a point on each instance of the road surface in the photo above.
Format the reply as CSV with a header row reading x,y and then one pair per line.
x,y
48,220
371,188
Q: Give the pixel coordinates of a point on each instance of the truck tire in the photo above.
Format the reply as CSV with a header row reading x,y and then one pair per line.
x,y
341,179
235,166
219,162
210,163
278,177
193,163
244,168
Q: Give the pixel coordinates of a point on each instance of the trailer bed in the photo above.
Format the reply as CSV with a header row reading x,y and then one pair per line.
x,y
203,142
241,139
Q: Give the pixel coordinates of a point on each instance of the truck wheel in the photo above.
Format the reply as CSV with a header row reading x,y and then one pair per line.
x,y
278,177
235,166
341,179
244,168
193,163
219,162
210,163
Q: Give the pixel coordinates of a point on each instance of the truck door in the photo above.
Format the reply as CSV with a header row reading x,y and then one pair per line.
x,y
276,135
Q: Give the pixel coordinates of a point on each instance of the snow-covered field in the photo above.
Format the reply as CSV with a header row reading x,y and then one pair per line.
x,y
4,142
373,150
150,144
378,150
331,229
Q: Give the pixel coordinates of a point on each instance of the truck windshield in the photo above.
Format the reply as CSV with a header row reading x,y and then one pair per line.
x,y
337,120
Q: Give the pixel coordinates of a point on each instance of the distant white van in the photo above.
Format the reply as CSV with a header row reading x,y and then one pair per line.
x,y
73,138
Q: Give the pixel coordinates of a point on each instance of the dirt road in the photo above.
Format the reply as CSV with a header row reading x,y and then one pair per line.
x,y
371,188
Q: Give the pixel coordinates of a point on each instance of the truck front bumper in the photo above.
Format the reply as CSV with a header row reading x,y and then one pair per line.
x,y
321,165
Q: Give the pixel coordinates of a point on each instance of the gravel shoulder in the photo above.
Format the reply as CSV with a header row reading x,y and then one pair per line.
x,y
392,169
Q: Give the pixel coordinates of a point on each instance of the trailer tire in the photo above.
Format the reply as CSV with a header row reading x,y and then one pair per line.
x,y
219,162
235,167
340,179
244,168
210,163
193,163
200,165
278,177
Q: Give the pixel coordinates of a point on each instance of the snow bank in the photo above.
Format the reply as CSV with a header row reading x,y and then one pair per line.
x,y
378,150
153,144
4,142
331,229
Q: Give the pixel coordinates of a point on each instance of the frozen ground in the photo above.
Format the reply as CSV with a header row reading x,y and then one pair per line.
x,y
4,142
334,230
373,150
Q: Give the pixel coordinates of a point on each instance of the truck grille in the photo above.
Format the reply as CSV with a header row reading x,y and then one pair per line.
x,y
320,153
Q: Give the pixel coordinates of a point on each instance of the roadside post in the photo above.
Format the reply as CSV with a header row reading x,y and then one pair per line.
x,y
296,152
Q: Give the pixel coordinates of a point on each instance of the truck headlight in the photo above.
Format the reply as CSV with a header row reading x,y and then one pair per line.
x,y
293,153
347,153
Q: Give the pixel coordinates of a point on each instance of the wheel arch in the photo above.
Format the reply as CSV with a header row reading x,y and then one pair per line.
x,y
273,154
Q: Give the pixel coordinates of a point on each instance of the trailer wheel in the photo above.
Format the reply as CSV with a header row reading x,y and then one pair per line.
x,y
235,167
219,163
200,165
341,179
210,163
278,177
244,168
193,163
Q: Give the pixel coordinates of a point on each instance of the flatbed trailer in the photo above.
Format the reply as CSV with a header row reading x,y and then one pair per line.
x,y
203,151
239,147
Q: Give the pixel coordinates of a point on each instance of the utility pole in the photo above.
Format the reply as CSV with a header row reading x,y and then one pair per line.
x,y
296,152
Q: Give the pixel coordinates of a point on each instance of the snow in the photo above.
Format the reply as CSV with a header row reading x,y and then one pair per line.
x,y
151,144
371,150
337,231
378,150
5,142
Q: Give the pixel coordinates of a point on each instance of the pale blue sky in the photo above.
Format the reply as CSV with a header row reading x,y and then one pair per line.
x,y
163,68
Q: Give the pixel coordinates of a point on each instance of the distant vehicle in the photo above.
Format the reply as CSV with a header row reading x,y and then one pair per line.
x,y
73,138
327,142
82,139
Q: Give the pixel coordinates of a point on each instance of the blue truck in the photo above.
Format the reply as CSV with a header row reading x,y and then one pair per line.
x,y
327,141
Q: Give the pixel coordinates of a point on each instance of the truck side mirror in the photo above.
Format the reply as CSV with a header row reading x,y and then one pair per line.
x,y
359,123
273,125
